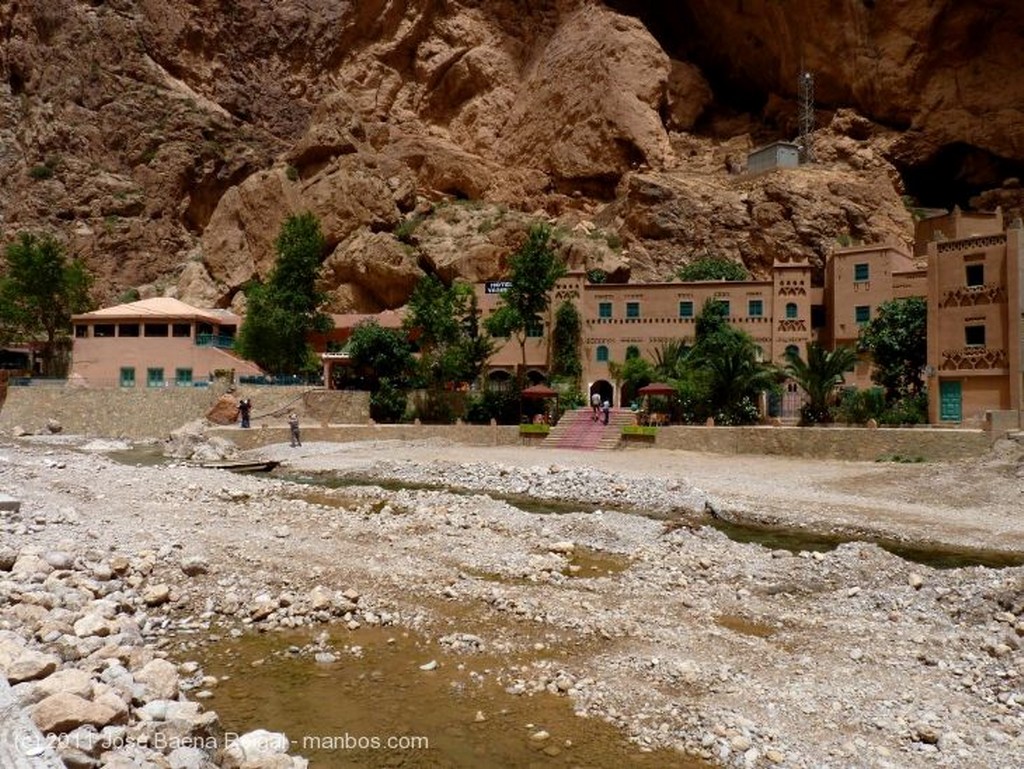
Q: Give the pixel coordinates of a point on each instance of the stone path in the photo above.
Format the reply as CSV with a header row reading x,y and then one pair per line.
x,y
22,745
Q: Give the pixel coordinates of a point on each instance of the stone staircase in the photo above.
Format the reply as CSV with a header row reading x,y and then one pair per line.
x,y
577,430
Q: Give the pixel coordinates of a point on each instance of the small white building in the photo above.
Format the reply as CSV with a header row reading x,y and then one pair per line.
x,y
774,155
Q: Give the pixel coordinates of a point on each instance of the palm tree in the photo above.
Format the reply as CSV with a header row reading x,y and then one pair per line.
x,y
736,376
670,359
819,377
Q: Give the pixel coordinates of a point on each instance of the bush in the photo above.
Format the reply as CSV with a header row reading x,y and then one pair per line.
x,y
41,172
856,407
912,410
407,228
500,405
388,403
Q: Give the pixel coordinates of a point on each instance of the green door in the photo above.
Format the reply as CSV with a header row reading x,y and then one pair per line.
x,y
949,402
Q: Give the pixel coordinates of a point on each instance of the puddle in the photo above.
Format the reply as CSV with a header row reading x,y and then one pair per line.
x,y
744,626
584,562
936,556
140,456
379,709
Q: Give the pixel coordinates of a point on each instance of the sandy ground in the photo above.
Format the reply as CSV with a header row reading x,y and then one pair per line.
x,y
742,655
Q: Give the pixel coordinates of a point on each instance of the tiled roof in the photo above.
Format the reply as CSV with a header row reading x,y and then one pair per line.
x,y
159,307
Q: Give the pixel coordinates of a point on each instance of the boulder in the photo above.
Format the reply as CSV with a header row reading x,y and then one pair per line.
x,y
62,712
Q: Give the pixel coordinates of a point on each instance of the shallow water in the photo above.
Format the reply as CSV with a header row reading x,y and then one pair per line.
x,y
793,539
379,709
773,537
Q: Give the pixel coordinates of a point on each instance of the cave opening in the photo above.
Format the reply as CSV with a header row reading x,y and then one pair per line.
x,y
676,29
956,173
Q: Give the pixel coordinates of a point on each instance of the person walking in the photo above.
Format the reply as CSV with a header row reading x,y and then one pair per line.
x,y
595,404
606,408
293,426
245,410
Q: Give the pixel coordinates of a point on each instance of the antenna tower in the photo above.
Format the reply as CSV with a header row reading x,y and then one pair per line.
x,y
805,91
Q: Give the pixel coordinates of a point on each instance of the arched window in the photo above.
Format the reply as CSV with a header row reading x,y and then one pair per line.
x,y
792,311
792,349
632,352
602,353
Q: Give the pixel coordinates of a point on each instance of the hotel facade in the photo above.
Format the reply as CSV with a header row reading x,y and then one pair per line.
x,y
968,267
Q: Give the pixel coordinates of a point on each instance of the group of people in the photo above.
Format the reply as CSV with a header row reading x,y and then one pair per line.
x,y
601,408
245,415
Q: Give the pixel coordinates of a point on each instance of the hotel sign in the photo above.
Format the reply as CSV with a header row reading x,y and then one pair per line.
x,y
497,286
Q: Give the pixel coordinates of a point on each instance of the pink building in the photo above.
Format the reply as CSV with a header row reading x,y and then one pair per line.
x,y
154,343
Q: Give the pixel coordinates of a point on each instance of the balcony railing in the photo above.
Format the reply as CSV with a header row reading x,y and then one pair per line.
x,y
215,340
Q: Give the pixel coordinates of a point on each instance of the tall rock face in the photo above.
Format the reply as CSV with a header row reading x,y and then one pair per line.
x,y
166,140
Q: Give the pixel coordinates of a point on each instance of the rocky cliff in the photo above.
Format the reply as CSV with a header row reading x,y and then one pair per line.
x,y
166,140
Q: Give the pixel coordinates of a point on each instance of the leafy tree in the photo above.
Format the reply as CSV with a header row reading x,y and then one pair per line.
x,y
566,341
819,376
443,321
631,375
382,360
712,268
39,292
725,362
282,312
532,272
897,338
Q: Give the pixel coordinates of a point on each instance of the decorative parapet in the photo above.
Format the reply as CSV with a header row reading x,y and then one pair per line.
x,y
981,241
968,296
792,325
973,358
792,291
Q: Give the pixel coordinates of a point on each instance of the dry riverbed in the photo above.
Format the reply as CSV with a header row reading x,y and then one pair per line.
x,y
732,653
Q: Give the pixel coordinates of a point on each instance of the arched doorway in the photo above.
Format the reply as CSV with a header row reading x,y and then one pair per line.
x,y
604,388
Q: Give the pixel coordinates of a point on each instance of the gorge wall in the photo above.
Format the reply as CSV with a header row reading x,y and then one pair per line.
x,y
164,141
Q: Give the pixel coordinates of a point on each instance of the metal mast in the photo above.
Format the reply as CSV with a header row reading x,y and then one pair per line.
x,y
805,92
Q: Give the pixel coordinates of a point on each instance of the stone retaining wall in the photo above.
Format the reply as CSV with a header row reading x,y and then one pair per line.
x,y
468,435
342,416
140,413
860,444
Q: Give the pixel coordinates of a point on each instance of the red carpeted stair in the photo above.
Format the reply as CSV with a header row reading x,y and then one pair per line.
x,y
577,430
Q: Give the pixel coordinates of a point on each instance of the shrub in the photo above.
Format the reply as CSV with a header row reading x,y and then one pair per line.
x,y
388,403
912,410
407,228
41,172
856,407
500,405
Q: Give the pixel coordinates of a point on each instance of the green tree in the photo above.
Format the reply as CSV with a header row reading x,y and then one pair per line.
x,y
443,320
670,359
820,376
382,362
39,292
631,375
712,268
282,312
566,340
725,361
532,273
897,338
